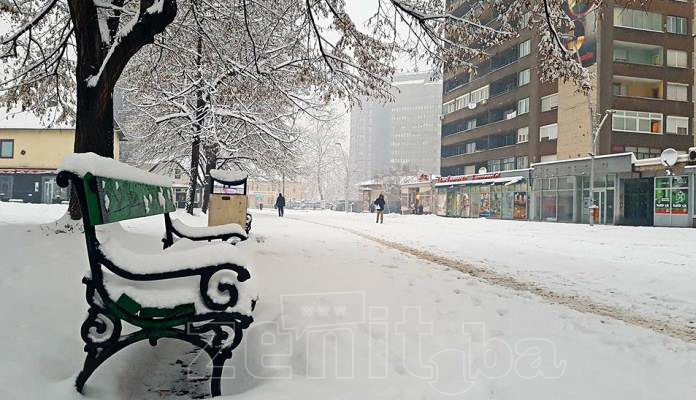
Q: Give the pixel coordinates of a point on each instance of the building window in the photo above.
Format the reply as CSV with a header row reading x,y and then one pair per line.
x,y
493,165
678,125
643,152
522,162
448,107
677,91
471,124
637,19
525,48
7,148
677,58
470,147
523,106
523,134
508,164
549,103
634,121
523,77
461,102
549,132
637,53
637,87
677,25
480,95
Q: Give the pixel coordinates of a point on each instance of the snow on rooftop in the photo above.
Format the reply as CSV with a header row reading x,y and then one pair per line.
x,y
633,158
29,120
83,163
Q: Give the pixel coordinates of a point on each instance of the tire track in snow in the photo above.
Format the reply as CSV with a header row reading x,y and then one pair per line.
x,y
491,277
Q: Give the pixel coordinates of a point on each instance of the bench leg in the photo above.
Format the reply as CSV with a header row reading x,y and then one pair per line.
x,y
216,377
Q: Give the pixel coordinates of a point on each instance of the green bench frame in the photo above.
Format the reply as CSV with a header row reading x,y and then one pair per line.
x,y
102,329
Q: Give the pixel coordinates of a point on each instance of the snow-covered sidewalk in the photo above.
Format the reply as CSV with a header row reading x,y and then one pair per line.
x,y
647,271
339,317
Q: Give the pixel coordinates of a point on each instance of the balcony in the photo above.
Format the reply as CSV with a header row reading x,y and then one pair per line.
x,y
626,86
637,53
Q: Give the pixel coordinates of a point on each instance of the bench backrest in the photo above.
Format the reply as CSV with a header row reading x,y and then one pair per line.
x,y
112,200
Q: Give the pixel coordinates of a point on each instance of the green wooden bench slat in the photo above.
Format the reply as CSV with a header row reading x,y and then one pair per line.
x,y
178,311
128,304
93,206
121,200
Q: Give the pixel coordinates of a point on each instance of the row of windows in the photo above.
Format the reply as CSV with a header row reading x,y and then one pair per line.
x,y
649,88
644,54
644,122
649,21
548,103
503,164
500,60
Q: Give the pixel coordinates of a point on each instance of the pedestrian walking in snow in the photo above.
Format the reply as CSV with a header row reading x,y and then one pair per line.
x,y
379,207
280,204
260,206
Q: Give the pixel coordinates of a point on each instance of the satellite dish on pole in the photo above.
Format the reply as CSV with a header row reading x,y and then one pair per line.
x,y
471,105
482,170
669,157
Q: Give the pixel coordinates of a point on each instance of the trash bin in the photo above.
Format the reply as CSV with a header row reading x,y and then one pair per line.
x,y
228,199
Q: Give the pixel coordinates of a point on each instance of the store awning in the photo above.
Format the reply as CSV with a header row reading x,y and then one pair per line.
x,y
491,181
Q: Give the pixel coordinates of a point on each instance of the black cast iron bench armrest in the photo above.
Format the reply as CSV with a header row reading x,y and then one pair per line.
x,y
180,229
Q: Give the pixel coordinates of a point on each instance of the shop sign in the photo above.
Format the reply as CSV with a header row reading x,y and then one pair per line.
x,y
672,195
464,178
662,201
680,201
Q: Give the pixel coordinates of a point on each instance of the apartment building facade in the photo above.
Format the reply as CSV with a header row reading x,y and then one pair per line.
x,y
503,118
401,136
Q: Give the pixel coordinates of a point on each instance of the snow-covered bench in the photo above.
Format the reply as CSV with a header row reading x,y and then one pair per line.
x,y
198,293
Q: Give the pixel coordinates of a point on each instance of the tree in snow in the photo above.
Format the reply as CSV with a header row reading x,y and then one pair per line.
x,y
322,155
60,48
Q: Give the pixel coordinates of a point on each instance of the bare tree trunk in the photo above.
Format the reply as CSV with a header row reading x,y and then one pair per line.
x,y
94,123
193,170
196,146
321,192
210,163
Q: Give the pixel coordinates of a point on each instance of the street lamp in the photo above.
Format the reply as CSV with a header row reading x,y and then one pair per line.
x,y
595,136
345,162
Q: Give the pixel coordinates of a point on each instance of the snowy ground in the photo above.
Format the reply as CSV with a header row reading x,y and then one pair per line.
x,y
646,270
395,326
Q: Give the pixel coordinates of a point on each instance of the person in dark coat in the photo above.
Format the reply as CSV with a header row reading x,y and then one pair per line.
x,y
379,207
280,204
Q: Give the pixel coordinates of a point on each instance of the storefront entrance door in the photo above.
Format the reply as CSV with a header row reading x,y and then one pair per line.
x,y
599,197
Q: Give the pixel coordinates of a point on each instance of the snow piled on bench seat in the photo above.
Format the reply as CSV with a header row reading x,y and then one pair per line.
x,y
207,231
83,163
173,259
170,293
175,292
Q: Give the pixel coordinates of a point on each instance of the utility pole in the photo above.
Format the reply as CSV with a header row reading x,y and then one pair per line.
x,y
595,136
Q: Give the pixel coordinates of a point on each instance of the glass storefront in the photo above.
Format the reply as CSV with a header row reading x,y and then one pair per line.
x,y
672,201
567,198
484,200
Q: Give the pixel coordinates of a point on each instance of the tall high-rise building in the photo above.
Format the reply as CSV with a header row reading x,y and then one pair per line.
x,y
502,117
402,136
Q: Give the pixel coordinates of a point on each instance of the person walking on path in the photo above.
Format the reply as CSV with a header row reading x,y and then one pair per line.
x,y
379,207
280,204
